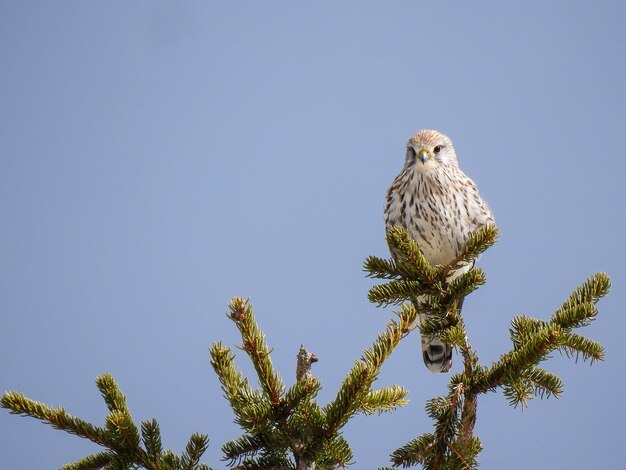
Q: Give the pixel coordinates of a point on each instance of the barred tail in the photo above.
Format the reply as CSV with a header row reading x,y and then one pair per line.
x,y
437,354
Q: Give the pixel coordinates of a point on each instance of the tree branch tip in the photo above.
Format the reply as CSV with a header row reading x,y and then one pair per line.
x,y
239,308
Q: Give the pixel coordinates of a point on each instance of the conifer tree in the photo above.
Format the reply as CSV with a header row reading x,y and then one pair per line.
x,y
285,428
126,449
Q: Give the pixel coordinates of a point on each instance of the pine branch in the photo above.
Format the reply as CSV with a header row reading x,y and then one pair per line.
x,y
454,335
453,444
57,418
418,451
252,409
197,445
387,341
348,400
461,383
466,283
119,435
477,243
91,462
534,350
575,345
546,383
307,422
592,290
517,391
579,309
111,393
119,424
572,344
412,279
396,292
575,316
284,428
170,460
294,422
463,456
335,453
384,399
254,345
444,411
379,268
272,418
151,436
533,340
121,461
243,447
357,384
410,256
455,415
522,327
303,390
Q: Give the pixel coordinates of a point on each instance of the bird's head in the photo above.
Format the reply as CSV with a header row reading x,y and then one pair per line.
x,y
428,150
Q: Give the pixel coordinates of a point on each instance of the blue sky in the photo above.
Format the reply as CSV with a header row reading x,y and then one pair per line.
x,y
158,158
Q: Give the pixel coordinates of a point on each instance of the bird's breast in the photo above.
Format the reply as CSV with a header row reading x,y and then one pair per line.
x,y
433,214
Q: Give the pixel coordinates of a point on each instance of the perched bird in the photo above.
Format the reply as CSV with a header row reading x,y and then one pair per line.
x,y
439,206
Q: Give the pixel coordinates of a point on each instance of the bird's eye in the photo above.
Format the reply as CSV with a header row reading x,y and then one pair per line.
x,y
410,152
438,148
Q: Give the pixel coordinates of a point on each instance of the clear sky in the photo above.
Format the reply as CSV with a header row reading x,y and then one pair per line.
x,y
157,158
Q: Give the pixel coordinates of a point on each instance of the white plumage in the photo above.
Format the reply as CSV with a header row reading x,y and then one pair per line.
x,y
439,206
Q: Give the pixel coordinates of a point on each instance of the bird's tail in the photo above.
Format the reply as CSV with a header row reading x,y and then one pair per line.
x,y
437,354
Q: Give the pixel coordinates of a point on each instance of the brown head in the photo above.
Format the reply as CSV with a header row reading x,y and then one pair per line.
x,y
428,150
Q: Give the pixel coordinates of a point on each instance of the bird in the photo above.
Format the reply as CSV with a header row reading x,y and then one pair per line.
x,y
439,206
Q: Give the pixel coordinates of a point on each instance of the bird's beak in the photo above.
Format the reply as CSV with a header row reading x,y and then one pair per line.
x,y
423,155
